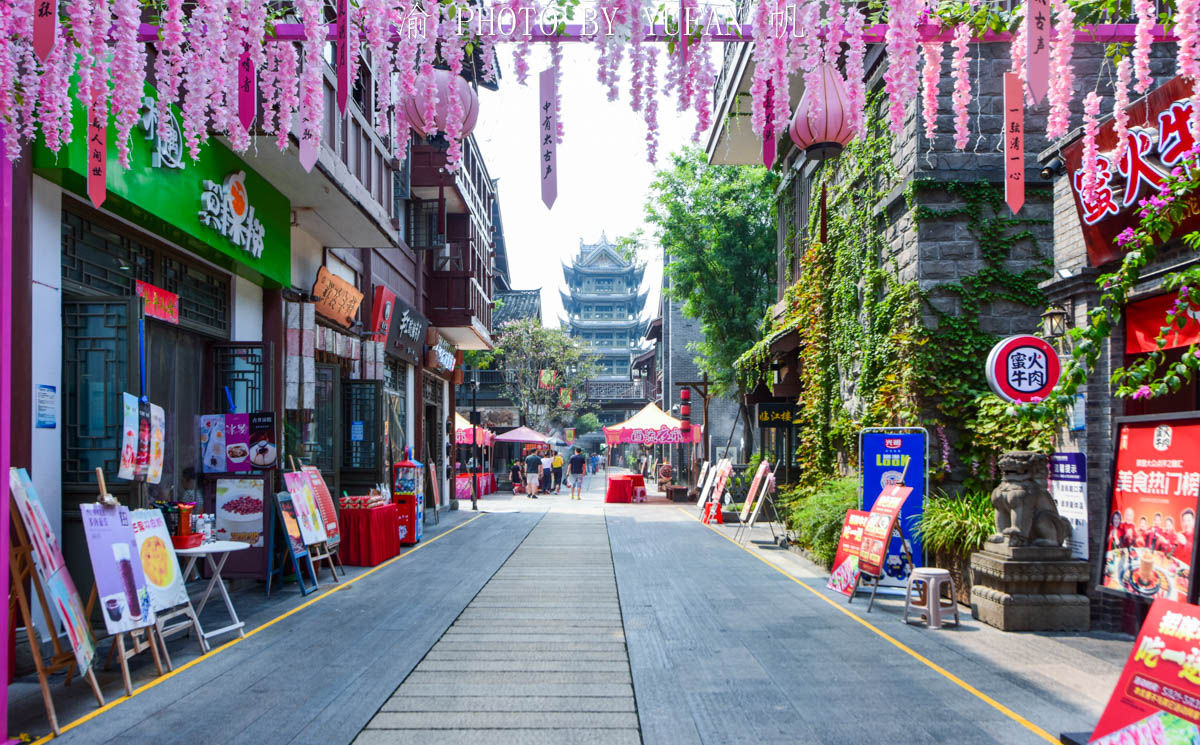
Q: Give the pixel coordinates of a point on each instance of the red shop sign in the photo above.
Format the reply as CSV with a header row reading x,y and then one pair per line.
x,y
159,303
1157,140
381,312
1022,369
1144,321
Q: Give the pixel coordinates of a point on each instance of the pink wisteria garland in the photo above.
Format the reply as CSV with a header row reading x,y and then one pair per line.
x,y
1120,106
168,64
931,74
129,74
30,69
8,77
1187,28
761,27
452,51
312,96
1019,48
1062,74
961,98
900,78
1146,16
651,106
1091,151
54,97
855,88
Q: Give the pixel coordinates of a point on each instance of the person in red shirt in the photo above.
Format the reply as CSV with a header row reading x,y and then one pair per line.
x,y
1167,538
1116,532
1185,538
1143,534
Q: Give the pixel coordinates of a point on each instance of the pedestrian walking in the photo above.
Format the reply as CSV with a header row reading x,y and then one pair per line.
x,y
533,474
578,465
517,476
556,466
547,473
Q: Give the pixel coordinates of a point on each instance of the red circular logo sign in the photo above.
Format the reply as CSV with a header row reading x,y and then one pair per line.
x,y
1023,369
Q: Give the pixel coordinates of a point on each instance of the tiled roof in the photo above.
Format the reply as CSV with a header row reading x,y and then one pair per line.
x,y
517,304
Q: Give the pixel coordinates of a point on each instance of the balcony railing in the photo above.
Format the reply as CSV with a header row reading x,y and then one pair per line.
x,y
620,390
363,158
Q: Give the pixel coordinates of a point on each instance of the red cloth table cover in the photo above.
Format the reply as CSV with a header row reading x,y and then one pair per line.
x,y
369,537
620,489
638,480
462,485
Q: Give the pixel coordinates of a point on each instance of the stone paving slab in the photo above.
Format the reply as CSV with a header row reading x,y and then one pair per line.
x,y
559,665
500,737
508,703
531,656
505,720
513,676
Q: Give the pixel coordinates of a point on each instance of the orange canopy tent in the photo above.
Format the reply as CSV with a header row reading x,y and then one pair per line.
x,y
651,426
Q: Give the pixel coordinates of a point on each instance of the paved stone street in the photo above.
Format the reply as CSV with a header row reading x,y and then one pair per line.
x,y
553,621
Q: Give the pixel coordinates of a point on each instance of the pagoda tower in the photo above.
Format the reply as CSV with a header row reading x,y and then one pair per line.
x,y
604,305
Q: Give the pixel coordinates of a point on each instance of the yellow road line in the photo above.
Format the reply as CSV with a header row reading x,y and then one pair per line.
x,y
899,645
340,586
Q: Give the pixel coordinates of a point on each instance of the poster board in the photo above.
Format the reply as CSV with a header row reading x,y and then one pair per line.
x,y
703,473
247,520
308,515
1155,693
707,483
120,583
298,557
160,565
723,471
879,529
1150,536
760,479
844,574
768,488
1068,488
325,506
887,456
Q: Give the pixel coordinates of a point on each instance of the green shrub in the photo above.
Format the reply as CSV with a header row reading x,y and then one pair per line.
x,y
957,524
817,514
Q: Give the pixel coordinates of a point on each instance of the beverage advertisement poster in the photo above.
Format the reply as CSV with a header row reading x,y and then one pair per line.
x,y
129,437
47,555
324,504
291,526
886,458
160,565
1158,687
845,561
158,437
64,599
1068,487
237,442
239,505
263,447
120,582
308,515
141,468
876,556
212,443
1152,523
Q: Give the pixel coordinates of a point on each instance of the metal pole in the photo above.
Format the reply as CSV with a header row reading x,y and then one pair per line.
x,y
474,440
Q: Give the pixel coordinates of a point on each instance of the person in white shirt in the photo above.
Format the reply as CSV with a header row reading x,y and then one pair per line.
x,y
547,472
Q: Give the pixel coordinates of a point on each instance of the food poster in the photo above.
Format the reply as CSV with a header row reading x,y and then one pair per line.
x,y
308,515
237,442
239,509
64,599
264,449
1151,527
759,476
325,504
1155,696
141,468
129,437
158,438
845,561
875,557
291,526
160,565
723,471
212,443
47,555
120,582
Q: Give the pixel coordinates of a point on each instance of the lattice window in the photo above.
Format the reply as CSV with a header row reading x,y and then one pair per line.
x,y
95,372
360,402
203,295
96,257
239,367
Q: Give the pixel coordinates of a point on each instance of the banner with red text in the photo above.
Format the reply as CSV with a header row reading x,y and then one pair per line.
x,y
845,561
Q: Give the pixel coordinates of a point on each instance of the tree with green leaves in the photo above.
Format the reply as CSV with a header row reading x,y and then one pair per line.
x,y
544,372
716,225
586,423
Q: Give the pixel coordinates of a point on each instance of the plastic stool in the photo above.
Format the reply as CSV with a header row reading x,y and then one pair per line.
x,y
639,494
928,584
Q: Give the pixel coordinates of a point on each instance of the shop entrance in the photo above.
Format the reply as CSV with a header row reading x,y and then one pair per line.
x,y
325,441
433,446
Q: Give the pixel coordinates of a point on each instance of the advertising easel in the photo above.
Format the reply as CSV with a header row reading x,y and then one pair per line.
x,y
767,495
883,524
294,552
320,550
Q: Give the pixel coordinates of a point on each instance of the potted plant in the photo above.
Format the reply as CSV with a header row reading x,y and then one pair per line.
x,y
952,527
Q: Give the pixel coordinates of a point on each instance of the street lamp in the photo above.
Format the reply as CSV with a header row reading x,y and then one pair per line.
x,y
475,439
1054,322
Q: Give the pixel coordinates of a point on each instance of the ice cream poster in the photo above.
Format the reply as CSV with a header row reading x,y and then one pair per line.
x,y
263,448
158,439
120,582
307,512
160,565
129,437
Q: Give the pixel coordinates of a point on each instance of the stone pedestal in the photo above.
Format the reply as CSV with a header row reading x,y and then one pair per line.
x,y
1029,588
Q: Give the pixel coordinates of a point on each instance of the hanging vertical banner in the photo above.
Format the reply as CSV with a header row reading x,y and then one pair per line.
x,y
342,25
129,436
1037,56
1014,142
141,467
45,24
547,133
158,436
247,90
768,143
97,163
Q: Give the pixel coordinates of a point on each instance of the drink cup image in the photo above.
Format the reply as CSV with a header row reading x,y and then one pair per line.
x,y
125,566
114,607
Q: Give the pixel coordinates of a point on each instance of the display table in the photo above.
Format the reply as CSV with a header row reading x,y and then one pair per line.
x,y
620,490
369,537
215,554
638,480
462,485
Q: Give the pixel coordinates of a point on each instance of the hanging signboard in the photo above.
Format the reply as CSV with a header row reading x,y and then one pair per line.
x,y
1157,697
776,415
875,558
127,467
887,458
1152,523
158,303
1158,138
1068,487
237,442
158,444
120,582
263,448
308,514
160,565
1022,369
382,307
1014,141
406,336
337,299
845,561
1145,319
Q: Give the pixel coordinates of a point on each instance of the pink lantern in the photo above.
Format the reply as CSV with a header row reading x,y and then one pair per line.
x,y
824,135
414,105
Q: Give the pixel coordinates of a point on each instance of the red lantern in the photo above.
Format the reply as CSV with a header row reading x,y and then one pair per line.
x,y
414,105
825,135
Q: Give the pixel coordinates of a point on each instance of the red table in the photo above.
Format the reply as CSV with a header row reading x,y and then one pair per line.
x,y
369,537
638,479
487,485
620,489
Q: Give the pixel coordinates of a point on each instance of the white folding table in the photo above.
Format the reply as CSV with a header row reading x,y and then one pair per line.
x,y
215,553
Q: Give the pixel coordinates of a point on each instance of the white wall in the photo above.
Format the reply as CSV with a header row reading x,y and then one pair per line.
x,y
247,310
307,258
46,465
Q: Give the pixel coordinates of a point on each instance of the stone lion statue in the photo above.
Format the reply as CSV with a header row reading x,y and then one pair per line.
x,y
1025,511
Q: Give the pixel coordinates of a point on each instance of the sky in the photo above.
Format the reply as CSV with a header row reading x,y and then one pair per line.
x,y
604,176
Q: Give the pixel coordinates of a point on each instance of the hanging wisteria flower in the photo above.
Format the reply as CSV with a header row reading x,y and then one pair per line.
x,y
428,82
1062,74
168,64
452,53
651,106
706,77
931,75
54,96
312,95
1091,151
855,91
762,32
900,78
289,92
961,69
8,77
1019,48
781,109
812,56
557,63
1120,106
128,72
1187,29
375,18
80,14
1146,16
30,70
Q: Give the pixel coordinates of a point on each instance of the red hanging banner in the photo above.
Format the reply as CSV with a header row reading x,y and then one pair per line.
x,y
97,162
1145,319
1037,55
158,302
1014,142
247,91
45,24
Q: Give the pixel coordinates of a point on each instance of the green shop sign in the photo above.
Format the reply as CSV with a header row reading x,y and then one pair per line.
x,y
216,207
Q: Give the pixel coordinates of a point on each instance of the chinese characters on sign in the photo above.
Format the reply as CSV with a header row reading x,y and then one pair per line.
x,y
1022,369
337,299
776,416
407,333
1037,56
1151,529
845,562
45,26
873,558
1068,487
97,155
1014,140
247,90
226,209
158,302
548,137
166,152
